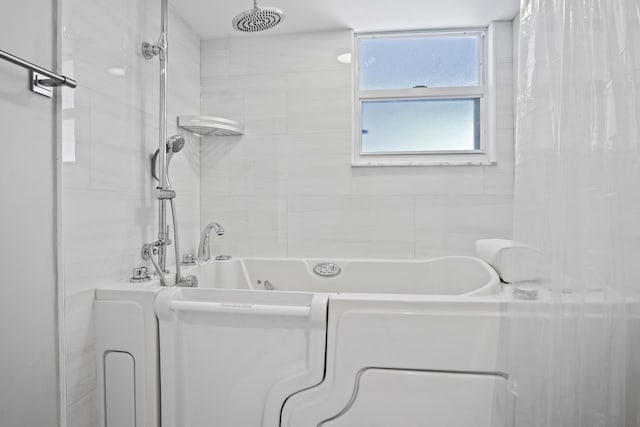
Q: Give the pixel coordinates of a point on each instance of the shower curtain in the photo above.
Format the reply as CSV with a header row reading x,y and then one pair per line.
x,y
575,361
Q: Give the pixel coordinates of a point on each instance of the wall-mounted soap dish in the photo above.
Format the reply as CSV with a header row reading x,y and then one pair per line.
x,y
207,125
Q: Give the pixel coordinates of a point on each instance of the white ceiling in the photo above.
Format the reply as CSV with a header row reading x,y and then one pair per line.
x,y
212,18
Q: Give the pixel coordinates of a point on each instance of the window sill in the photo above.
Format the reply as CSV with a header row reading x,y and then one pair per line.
x,y
421,163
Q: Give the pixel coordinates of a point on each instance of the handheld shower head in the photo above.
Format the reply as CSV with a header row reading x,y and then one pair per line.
x,y
174,145
258,18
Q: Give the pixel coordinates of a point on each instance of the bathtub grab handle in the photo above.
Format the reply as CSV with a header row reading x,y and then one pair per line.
x,y
239,308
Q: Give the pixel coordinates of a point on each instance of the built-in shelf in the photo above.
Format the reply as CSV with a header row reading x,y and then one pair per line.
x,y
208,125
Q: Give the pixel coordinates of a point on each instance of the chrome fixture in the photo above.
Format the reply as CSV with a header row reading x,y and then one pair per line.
x,y
223,257
258,18
166,149
140,274
164,194
188,259
174,145
327,269
267,285
207,125
188,281
41,80
161,50
204,253
151,249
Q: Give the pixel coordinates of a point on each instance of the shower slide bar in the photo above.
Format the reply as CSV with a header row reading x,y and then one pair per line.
x,y
42,81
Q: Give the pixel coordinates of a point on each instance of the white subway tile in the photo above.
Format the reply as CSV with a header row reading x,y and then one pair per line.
x,y
318,122
454,223
213,45
254,226
226,104
314,164
316,109
286,53
503,42
222,163
304,80
248,83
351,226
496,182
76,139
498,179
504,97
417,180
265,113
215,63
261,165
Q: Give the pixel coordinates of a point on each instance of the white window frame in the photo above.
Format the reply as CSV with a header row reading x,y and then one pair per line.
x,y
483,156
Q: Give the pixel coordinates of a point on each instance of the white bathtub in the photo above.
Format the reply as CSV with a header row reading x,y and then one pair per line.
x,y
268,342
452,275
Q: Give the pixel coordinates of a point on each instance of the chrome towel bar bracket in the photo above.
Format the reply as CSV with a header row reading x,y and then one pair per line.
x,y
41,80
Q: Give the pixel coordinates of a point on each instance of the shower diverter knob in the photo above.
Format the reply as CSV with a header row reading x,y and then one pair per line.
x,y
140,274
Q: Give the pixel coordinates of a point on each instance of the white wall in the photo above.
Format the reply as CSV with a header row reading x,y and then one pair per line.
x,y
28,323
286,188
110,130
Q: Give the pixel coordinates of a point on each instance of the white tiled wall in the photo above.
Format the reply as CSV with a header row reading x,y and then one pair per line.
x,y
110,129
287,188
28,315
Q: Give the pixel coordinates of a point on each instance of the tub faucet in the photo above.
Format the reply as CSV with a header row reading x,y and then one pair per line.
x,y
203,249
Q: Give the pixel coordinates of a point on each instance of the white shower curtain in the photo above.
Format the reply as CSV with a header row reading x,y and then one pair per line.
x,y
576,361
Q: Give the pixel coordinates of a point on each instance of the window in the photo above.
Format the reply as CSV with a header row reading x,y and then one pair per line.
x,y
420,99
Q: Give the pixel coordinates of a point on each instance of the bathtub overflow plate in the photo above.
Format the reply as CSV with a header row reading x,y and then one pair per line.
x,y
326,269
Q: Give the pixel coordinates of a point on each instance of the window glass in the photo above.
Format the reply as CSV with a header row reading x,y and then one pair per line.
x,y
407,62
420,125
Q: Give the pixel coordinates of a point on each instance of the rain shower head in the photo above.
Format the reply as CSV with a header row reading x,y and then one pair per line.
x,y
258,18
